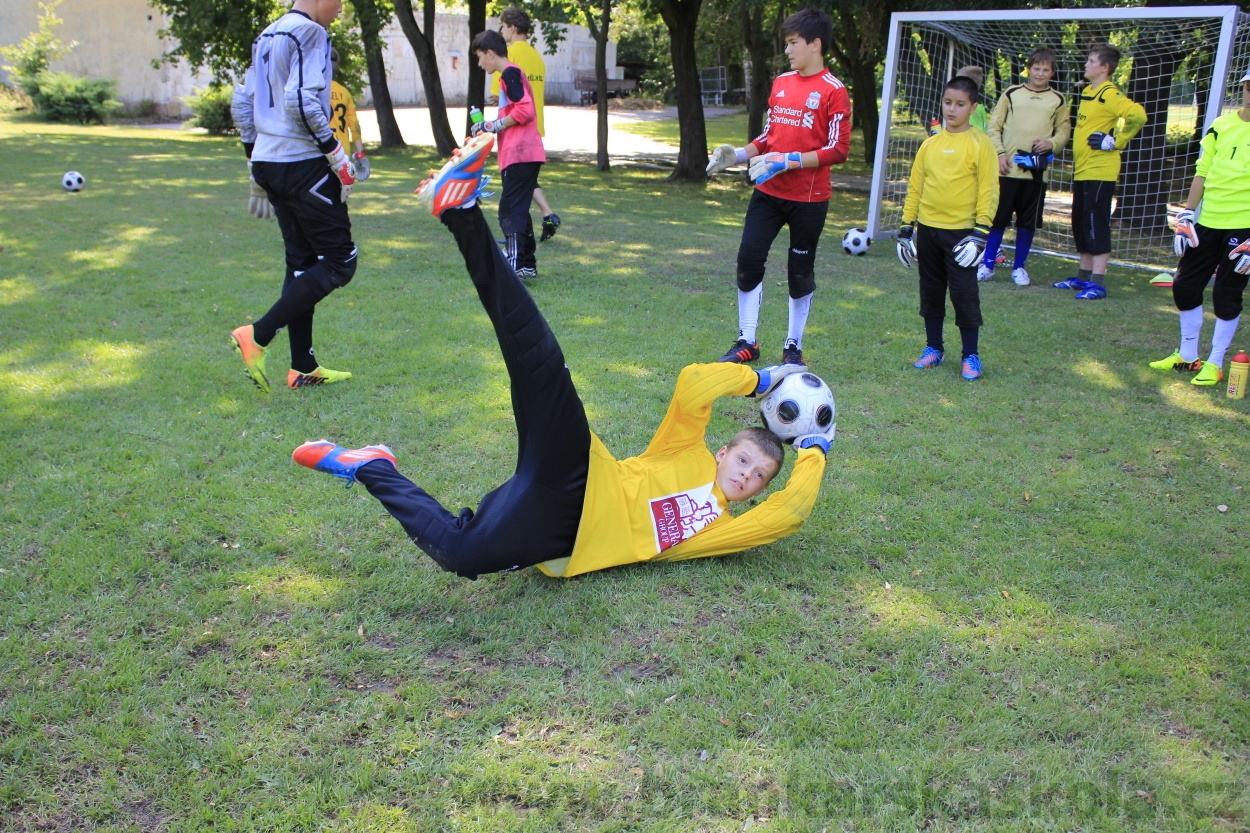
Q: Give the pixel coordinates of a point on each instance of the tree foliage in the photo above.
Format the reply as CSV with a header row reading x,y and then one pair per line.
x,y
36,52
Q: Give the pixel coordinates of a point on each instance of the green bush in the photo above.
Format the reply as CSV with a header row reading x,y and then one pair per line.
x,y
62,97
211,106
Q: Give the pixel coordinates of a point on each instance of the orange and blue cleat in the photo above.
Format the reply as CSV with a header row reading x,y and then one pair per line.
x,y
323,455
460,180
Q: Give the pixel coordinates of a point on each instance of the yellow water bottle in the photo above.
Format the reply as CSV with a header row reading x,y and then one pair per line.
x,y
1238,371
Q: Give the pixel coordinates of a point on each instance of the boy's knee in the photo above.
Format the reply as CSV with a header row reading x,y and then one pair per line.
x,y
341,271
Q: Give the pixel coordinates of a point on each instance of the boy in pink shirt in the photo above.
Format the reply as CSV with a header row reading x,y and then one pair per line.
x,y
521,153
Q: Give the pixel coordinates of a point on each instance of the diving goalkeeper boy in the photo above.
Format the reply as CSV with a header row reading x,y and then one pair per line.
x,y
571,507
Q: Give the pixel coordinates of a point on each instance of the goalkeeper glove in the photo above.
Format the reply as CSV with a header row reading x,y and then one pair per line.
x,y
1186,234
1033,161
723,157
968,251
771,376
906,247
258,204
495,126
1241,254
1101,141
343,169
764,168
821,441
363,168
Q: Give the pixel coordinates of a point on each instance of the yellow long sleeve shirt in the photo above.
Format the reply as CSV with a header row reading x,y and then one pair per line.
x,y
954,182
1225,164
531,63
664,505
1101,110
343,122
1022,116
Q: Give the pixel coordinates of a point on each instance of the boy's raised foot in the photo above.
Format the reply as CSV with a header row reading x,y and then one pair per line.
x,y
971,370
320,376
930,358
550,223
1175,362
792,353
253,355
323,455
460,181
742,352
1210,374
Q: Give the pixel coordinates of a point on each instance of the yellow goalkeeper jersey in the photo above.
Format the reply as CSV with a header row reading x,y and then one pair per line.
x,y
664,504
1225,163
531,63
954,181
1102,110
1024,115
343,119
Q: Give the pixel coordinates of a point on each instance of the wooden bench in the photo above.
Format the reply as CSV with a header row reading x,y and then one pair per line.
x,y
584,82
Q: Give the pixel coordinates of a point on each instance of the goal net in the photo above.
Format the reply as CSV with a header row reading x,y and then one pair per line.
x,y
1183,65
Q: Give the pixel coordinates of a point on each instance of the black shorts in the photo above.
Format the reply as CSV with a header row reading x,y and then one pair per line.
x,y
940,275
1022,197
1209,257
1091,215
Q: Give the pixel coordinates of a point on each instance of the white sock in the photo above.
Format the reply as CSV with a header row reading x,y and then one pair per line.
x,y
1224,332
799,308
749,312
1191,328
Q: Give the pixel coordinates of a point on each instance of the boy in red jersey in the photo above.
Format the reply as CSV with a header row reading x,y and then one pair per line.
x,y
807,129
521,152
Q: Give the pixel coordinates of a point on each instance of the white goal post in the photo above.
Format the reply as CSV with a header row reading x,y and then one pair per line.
x,y
1183,64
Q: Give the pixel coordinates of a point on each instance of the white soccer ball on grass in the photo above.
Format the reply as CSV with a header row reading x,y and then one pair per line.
x,y
801,404
856,242
73,181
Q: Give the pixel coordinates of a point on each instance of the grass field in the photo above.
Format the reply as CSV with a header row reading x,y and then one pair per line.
x,y
1019,604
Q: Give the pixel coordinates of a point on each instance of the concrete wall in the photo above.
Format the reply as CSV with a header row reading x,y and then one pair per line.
x,y
451,35
117,39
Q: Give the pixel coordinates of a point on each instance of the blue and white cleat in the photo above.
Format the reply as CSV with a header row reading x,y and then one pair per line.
x,y
460,181
1072,283
1092,292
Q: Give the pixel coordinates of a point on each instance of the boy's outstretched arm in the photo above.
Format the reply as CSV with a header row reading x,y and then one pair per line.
x,y
782,514
698,386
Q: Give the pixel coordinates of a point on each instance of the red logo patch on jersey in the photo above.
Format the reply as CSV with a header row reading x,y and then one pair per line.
x,y
678,516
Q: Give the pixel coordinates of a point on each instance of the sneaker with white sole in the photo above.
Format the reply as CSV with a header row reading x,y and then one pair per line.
x,y
1019,277
985,273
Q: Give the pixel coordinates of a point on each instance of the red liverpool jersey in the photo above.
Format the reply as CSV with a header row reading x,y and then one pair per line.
x,y
806,113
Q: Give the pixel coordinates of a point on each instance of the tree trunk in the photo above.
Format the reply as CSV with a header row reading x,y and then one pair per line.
x,y
477,76
371,24
759,44
422,46
600,34
681,16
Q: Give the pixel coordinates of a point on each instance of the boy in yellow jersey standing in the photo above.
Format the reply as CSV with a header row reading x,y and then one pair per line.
x,y
514,25
1096,147
571,507
951,198
344,122
1219,241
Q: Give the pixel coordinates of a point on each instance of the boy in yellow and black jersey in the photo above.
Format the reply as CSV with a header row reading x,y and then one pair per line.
x,y
344,122
1218,241
571,507
951,199
1105,122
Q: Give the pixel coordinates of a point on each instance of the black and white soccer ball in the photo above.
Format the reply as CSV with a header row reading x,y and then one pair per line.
x,y
801,404
73,181
856,242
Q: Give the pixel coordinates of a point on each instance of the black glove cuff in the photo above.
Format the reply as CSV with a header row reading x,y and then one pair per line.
x,y
248,147
328,145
